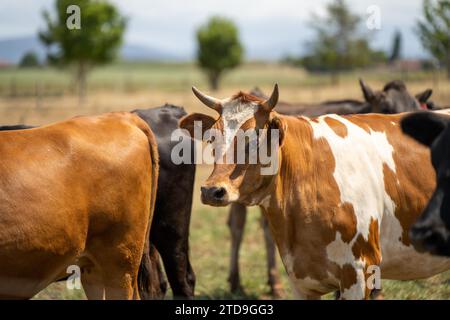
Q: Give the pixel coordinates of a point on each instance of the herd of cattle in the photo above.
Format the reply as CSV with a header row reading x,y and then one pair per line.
x,y
352,192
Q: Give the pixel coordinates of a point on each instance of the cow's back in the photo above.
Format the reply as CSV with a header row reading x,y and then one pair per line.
x,y
164,121
63,186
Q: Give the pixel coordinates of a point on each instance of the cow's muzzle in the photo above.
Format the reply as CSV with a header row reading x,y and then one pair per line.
x,y
214,196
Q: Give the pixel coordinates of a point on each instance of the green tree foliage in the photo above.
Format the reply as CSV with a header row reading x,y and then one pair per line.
x,y
29,60
396,47
95,43
219,48
434,30
338,44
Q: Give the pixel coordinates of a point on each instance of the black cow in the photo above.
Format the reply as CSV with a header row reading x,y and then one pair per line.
x,y
395,98
431,232
15,127
346,106
169,235
171,220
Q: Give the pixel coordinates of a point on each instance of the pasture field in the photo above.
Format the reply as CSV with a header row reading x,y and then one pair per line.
x,y
42,96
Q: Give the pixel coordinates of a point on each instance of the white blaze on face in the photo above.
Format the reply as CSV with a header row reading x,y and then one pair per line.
x,y
234,115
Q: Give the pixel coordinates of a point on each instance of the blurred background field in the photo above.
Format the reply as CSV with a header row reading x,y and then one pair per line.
x,y
42,95
157,84
142,54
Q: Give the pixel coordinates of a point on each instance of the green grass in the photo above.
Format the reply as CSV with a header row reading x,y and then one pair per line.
x,y
210,242
130,77
210,251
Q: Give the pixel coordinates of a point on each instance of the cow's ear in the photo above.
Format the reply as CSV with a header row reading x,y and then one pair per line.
x,y
424,96
369,96
424,126
276,123
196,120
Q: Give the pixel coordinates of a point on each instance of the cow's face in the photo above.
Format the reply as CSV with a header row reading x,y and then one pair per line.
x,y
394,98
431,232
241,133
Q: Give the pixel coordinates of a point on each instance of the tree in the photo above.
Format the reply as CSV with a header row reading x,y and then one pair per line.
x,y
396,47
29,60
219,48
338,44
434,31
95,42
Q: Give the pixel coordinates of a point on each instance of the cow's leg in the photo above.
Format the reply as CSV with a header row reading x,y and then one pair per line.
x,y
376,294
190,275
353,283
120,280
272,271
300,294
170,228
175,256
91,279
236,223
118,262
179,272
158,282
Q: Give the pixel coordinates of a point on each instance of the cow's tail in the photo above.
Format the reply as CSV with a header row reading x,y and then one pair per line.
x,y
144,273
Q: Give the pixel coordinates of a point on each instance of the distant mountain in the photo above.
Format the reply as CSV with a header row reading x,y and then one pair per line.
x,y
12,50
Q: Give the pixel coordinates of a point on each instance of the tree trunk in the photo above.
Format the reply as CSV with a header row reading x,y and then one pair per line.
x,y
214,80
81,79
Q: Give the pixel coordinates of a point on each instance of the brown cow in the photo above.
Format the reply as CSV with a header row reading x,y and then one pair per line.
x,y
394,98
79,192
238,212
340,204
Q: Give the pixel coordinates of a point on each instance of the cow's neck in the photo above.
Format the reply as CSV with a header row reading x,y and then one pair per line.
x,y
293,197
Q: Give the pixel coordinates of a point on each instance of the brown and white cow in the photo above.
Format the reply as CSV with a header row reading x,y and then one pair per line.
x,y
395,98
346,191
79,192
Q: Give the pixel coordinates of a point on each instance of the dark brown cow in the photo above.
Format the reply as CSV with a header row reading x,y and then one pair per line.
x,y
78,192
344,194
170,227
394,98
346,106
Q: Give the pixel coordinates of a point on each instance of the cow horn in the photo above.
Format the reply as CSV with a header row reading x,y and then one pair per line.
x,y
270,103
211,102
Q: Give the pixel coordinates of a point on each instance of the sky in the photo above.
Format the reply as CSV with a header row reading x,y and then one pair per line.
x,y
269,29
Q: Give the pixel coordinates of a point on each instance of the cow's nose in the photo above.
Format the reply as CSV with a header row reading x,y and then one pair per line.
x,y
213,195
